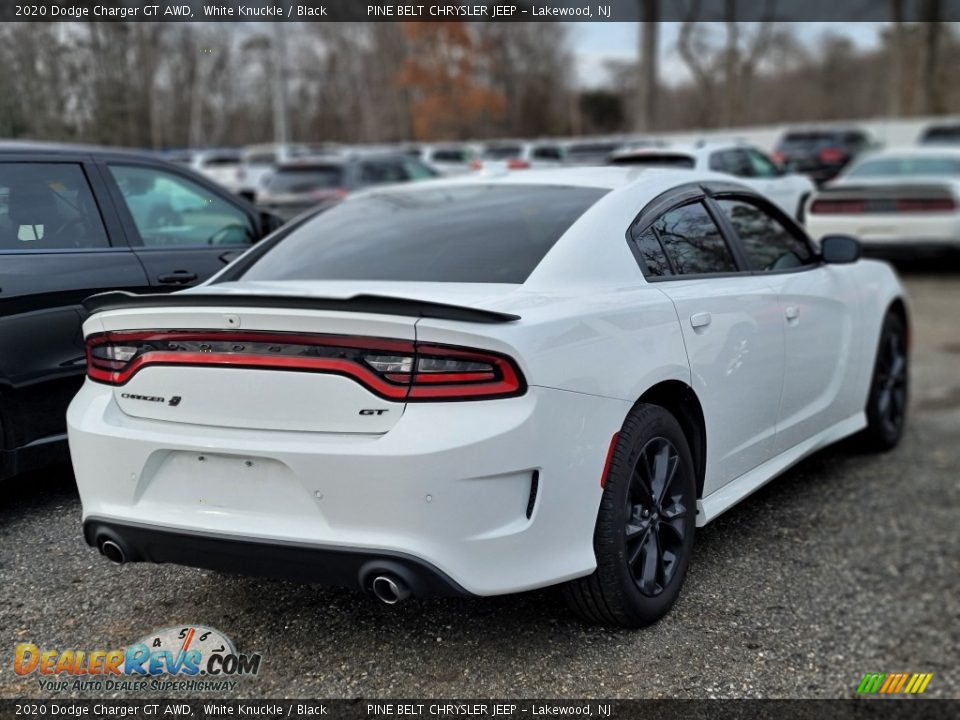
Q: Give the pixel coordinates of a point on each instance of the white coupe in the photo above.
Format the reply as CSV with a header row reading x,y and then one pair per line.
x,y
481,386
750,165
900,203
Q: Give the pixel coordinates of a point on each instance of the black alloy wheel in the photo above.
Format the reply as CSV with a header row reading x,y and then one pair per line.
x,y
645,525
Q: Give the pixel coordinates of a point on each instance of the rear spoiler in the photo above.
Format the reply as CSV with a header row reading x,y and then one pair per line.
x,y
375,304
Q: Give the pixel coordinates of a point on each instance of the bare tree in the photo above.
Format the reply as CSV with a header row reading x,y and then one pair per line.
x,y
649,64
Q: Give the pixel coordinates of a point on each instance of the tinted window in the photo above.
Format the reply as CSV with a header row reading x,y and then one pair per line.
x,y
905,166
546,152
502,152
306,179
472,233
172,211
673,160
761,165
693,242
946,134
48,206
767,243
450,156
221,160
651,253
808,140
383,171
732,162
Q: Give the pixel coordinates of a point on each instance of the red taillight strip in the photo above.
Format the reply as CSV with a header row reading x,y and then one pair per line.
x,y
255,362
505,381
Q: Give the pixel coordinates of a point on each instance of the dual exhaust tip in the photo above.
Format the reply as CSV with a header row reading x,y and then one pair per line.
x,y
112,552
387,588
390,589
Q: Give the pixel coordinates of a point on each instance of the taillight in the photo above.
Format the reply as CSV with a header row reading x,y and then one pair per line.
x,y
399,370
779,157
517,164
476,164
832,155
926,205
835,207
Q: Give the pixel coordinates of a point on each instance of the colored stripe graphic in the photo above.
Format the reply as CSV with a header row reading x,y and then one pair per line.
x,y
894,683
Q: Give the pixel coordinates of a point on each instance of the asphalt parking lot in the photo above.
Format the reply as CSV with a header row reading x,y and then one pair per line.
x,y
847,564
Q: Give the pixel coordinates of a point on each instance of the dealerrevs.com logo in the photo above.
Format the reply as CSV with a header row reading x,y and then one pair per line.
x,y
182,658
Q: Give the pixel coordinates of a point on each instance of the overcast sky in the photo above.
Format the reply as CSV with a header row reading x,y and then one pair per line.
x,y
597,42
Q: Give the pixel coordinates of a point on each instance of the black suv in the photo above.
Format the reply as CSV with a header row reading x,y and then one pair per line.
x,y
821,154
75,221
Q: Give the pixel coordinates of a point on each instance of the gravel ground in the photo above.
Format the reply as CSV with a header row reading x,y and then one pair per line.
x,y
847,564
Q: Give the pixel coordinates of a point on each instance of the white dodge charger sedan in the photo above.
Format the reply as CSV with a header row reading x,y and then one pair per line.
x,y
485,385
900,203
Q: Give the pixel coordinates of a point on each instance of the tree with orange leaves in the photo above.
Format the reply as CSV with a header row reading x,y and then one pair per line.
x,y
446,74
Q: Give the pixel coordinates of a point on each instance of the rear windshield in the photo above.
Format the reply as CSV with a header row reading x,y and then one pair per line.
x,y
655,160
502,152
451,156
305,179
811,140
471,233
946,134
906,166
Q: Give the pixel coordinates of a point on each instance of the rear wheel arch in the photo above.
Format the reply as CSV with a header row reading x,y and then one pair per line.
x,y
679,399
899,308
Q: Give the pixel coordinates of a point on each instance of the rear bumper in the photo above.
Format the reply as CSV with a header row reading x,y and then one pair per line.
x,y
345,567
499,496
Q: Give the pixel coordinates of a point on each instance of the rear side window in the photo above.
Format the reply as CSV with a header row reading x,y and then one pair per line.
x,y
471,233
732,162
693,242
769,246
48,206
376,172
655,263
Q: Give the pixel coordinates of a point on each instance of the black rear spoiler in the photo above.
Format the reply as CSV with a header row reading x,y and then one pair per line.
x,y
376,304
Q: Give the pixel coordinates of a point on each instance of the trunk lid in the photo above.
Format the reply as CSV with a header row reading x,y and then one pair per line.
x,y
277,356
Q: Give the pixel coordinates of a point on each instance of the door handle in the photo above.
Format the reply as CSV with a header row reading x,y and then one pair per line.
x,y
792,312
179,277
698,320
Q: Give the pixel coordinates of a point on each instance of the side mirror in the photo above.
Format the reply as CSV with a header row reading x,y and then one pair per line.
x,y
839,249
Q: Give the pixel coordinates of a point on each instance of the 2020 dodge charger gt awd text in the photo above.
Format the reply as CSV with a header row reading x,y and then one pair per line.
x,y
485,385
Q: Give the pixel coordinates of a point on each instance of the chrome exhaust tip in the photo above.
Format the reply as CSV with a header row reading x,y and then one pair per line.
x,y
113,552
389,589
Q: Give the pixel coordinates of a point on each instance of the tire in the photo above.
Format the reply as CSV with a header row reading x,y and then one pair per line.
x,y
626,594
889,388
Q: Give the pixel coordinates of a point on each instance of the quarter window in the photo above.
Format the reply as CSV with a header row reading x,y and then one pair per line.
x,y
768,245
171,211
48,206
651,254
693,242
